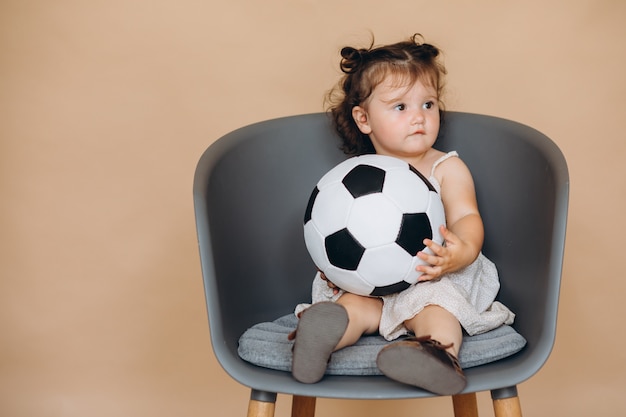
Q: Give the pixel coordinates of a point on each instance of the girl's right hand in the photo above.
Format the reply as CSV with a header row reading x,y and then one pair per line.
x,y
329,283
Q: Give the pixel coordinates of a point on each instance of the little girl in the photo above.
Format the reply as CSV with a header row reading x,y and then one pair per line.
x,y
389,103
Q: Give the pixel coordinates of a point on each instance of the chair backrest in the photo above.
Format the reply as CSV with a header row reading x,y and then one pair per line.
x,y
251,188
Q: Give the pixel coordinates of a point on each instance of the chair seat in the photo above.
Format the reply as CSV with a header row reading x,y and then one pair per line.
x,y
266,345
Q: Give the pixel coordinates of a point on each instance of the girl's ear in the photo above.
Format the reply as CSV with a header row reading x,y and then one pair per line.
x,y
360,118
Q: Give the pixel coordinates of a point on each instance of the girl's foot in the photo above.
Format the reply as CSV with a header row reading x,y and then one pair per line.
x,y
320,329
424,363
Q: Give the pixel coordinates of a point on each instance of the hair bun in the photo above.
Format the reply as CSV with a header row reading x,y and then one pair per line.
x,y
423,49
352,59
429,50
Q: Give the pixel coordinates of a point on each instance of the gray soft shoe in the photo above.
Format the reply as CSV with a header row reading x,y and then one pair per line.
x,y
320,329
424,363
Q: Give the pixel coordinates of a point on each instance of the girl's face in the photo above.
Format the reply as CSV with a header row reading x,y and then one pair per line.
x,y
401,120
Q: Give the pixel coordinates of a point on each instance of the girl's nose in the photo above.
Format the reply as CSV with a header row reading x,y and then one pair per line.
x,y
418,117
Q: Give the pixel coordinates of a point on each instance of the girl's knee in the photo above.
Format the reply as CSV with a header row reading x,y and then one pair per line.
x,y
438,323
363,312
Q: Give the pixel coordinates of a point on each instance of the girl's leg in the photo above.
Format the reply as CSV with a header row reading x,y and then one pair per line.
x,y
440,325
326,327
429,360
363,315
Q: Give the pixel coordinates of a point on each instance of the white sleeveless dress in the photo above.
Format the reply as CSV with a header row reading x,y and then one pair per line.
x,y
469,294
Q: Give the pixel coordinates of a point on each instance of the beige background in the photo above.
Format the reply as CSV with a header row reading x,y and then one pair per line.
x,y
106,105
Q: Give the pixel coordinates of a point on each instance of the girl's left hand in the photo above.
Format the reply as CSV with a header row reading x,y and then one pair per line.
x,y
449,257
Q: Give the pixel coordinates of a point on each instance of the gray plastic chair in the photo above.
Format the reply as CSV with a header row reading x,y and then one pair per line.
x,y
250,191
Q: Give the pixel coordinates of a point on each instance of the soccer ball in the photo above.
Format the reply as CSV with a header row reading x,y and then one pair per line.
x,y
366,220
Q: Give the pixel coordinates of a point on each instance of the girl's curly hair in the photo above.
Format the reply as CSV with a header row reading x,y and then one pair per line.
x,y
407,61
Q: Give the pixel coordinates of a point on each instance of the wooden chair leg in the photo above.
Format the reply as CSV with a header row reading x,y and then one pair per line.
x,y
506,402
260,409
262,404
302,406
507,407
465,405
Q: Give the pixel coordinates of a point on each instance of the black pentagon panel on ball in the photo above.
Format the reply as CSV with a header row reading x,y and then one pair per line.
x,y
423,178
414,229
390,289
309,206
343,250
363,180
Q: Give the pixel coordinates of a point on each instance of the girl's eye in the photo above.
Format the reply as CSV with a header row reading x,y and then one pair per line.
x,y
400,107
429,105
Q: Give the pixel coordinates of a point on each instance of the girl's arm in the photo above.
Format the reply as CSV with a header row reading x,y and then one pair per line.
x,y
464,234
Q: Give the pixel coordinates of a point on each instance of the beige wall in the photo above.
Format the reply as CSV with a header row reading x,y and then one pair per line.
x,y
106,105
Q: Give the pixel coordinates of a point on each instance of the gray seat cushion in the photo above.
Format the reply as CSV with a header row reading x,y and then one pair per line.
x,y
266,345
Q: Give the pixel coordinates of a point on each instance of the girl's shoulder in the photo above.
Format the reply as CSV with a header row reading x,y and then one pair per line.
x,y
449,164
442,157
